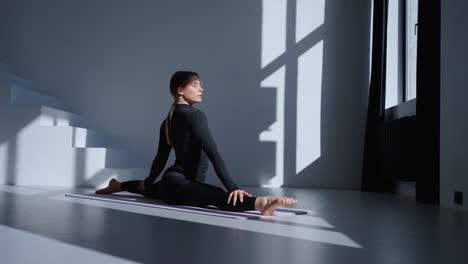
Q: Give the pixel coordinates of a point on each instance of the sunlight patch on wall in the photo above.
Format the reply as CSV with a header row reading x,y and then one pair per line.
x,y
309,86
309,16
276,48
275,132
273,30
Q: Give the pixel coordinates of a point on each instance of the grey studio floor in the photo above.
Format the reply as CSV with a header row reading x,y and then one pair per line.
x,y
41,225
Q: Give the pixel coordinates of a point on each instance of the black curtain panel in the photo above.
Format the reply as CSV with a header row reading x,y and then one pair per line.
x,y
426,155
428,101
371,178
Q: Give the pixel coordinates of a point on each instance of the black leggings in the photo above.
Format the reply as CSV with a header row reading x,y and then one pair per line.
x,y
174,188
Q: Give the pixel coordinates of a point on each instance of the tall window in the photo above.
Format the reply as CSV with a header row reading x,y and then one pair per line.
x,y
394,80
401,52
411,47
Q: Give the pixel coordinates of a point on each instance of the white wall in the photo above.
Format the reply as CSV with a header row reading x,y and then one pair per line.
x,y
111,61
453,110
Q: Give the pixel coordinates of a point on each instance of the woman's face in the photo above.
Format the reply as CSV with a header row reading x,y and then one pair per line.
x,y
192,92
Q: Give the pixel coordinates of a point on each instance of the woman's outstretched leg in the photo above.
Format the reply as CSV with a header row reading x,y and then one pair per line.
x,y
178,190
195,193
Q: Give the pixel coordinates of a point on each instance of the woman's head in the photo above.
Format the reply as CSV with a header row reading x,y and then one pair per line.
x,y
185,87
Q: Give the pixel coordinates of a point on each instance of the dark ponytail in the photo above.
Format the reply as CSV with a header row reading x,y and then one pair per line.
x,y
178,79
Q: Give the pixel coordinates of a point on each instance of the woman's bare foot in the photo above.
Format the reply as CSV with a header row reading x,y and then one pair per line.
x,y
114,186
267,204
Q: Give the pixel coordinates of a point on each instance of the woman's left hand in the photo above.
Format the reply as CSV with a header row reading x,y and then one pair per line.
x,y
236,193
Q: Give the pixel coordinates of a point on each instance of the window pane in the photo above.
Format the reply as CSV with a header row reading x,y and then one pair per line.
x,y
411,47
393,85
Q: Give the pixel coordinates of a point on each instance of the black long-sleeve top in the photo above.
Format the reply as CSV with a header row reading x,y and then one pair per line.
x,y
193,144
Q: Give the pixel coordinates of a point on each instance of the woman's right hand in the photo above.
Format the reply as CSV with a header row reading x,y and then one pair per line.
x,y
236,193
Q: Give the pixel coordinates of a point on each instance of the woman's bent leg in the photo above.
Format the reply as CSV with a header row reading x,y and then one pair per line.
x,y
176,189
133,187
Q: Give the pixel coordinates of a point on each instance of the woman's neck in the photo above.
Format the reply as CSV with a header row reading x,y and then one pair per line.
x,y
181,100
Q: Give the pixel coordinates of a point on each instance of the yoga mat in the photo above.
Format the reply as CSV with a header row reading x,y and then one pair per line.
x,y
207,210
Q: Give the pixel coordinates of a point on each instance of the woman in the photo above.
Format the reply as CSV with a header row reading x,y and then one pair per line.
x,y
186,130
